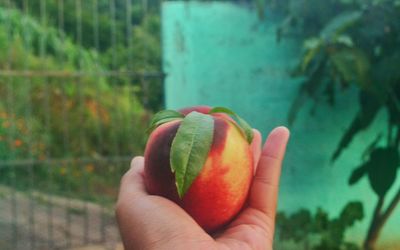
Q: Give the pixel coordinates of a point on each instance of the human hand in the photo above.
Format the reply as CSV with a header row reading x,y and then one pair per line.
x,y
153,222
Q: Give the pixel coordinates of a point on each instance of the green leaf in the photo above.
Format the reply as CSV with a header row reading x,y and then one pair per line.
x,y
345,40
351,213
340,23
309,88
163,117
190,149
370,107
353,66
382,169
313,47
313,43
357,174
243,125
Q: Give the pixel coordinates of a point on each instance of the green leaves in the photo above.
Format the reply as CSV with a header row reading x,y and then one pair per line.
x,y
190,149
370,107
242,124
340,23
306,226
163,117
353,66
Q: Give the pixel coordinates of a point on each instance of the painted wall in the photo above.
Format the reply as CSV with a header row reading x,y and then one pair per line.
x,y
221,54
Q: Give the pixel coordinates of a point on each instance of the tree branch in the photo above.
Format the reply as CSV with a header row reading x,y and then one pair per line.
x,y
379,219
373,230
390,208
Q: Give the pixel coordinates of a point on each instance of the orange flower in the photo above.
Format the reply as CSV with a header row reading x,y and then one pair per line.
x,y
89,168
17,143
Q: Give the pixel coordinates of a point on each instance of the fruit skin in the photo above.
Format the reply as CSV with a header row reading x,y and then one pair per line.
x,y
220,190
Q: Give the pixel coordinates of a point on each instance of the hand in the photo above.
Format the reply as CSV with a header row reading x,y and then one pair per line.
x,y
153,222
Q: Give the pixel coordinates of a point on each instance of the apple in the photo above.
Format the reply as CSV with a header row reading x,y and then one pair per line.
x,y
219,190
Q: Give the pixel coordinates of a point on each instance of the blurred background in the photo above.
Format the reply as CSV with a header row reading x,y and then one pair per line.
x,y
80,81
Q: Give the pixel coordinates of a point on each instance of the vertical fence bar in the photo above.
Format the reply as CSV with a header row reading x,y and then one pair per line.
x,y
99,127
65,118
11,136
129,43
129,33
82,150
113,79
46,109
143,78
27,118
145,5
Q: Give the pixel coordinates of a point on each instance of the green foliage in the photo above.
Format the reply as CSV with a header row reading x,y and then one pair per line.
x,y
18,135
381,168
76,97
23,42
357,44
318,231
93,35
353,44
69,117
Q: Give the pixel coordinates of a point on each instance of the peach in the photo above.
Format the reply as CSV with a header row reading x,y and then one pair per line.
x,y
220,190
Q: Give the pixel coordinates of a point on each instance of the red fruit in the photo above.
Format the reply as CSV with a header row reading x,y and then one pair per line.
x,y
218,193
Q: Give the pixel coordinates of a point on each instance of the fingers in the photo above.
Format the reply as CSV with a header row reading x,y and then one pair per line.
x,y
132,182
264,190
256,147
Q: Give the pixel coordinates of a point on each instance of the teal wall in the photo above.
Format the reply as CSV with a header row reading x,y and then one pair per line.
x,y
221,54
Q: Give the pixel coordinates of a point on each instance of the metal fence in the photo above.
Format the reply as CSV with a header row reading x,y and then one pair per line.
x,y
69,122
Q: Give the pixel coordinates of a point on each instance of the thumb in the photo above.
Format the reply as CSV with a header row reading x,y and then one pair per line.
x,y
132,183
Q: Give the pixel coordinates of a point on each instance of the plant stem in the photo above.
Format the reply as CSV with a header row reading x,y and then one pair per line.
x,y
391,207
369,241
397,140
379,220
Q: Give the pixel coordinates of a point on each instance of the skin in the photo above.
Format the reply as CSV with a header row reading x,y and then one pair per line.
x,y
153,222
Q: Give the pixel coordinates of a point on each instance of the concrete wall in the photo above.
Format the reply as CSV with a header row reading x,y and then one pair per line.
x,y
221,54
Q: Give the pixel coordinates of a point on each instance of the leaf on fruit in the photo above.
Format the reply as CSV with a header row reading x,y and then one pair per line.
x,y
190,148
163,117
243,125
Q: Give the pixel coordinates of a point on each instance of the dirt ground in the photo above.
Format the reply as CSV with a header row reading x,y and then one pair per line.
x,y
38,221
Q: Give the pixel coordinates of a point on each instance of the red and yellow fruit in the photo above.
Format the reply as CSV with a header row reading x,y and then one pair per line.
x,y
219,191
